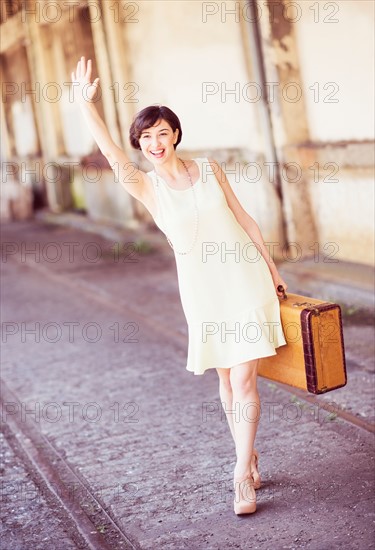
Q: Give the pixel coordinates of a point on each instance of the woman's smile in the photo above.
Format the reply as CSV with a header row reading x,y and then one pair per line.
x,y
158,153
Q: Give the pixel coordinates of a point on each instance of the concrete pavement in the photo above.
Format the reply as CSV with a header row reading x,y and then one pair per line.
x,y
94,350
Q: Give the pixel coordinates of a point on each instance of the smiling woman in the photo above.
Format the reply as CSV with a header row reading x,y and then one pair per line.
x,y
149,117
228,283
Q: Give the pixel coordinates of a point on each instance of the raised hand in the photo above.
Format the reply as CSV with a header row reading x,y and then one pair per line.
x,y
84,90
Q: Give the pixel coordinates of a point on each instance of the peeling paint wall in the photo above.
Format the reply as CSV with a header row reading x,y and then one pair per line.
x,y
337,68
324,51
344,212
195,57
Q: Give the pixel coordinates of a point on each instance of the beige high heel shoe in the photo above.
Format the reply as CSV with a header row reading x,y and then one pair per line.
x,y
245,496
254,469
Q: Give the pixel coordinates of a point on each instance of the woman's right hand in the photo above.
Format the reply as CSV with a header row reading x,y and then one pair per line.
x,y
84,90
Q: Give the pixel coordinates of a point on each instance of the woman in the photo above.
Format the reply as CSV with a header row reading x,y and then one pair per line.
x,y
227,282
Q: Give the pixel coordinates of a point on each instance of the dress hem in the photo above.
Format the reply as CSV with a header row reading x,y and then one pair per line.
x,y
238,362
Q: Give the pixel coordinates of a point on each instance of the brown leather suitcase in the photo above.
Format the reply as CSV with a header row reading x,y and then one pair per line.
x,y
314,357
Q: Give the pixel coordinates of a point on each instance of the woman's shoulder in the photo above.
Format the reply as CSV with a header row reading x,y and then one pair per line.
x,y
206,162
209,161
209,165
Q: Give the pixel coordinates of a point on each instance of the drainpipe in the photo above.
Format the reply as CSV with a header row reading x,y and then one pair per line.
x,y
257,57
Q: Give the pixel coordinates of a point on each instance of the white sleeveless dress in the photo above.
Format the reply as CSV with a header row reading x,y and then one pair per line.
x,y
226,288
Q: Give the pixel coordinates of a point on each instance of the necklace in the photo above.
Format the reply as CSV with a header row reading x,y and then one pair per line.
x,y
196,212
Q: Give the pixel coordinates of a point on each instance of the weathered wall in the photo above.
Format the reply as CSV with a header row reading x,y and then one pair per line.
x,y
196,57
338,84
338,55
191,61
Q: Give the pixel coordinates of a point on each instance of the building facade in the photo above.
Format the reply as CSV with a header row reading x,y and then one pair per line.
x,y
279,92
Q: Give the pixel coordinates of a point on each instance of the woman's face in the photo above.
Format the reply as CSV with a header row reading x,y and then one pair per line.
x,y
157,142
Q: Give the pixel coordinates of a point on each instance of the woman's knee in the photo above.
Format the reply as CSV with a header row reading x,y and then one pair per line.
x,y
224,377
243,377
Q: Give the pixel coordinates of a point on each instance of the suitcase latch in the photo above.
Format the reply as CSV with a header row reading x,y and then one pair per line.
x,y
309,305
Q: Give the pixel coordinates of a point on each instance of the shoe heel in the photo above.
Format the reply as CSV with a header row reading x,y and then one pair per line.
x,y
245,497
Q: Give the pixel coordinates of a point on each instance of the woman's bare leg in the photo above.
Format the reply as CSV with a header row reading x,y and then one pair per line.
x,y
226,397
243,380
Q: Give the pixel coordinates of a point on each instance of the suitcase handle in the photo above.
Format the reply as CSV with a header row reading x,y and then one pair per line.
x,y
280,288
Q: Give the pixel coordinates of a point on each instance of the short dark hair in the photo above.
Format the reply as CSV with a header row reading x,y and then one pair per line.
x,y
148,117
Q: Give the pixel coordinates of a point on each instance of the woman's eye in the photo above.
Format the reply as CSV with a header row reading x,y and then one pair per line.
x,y
147,136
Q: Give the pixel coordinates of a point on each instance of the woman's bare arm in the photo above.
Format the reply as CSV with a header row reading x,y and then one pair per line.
x,y
127,172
